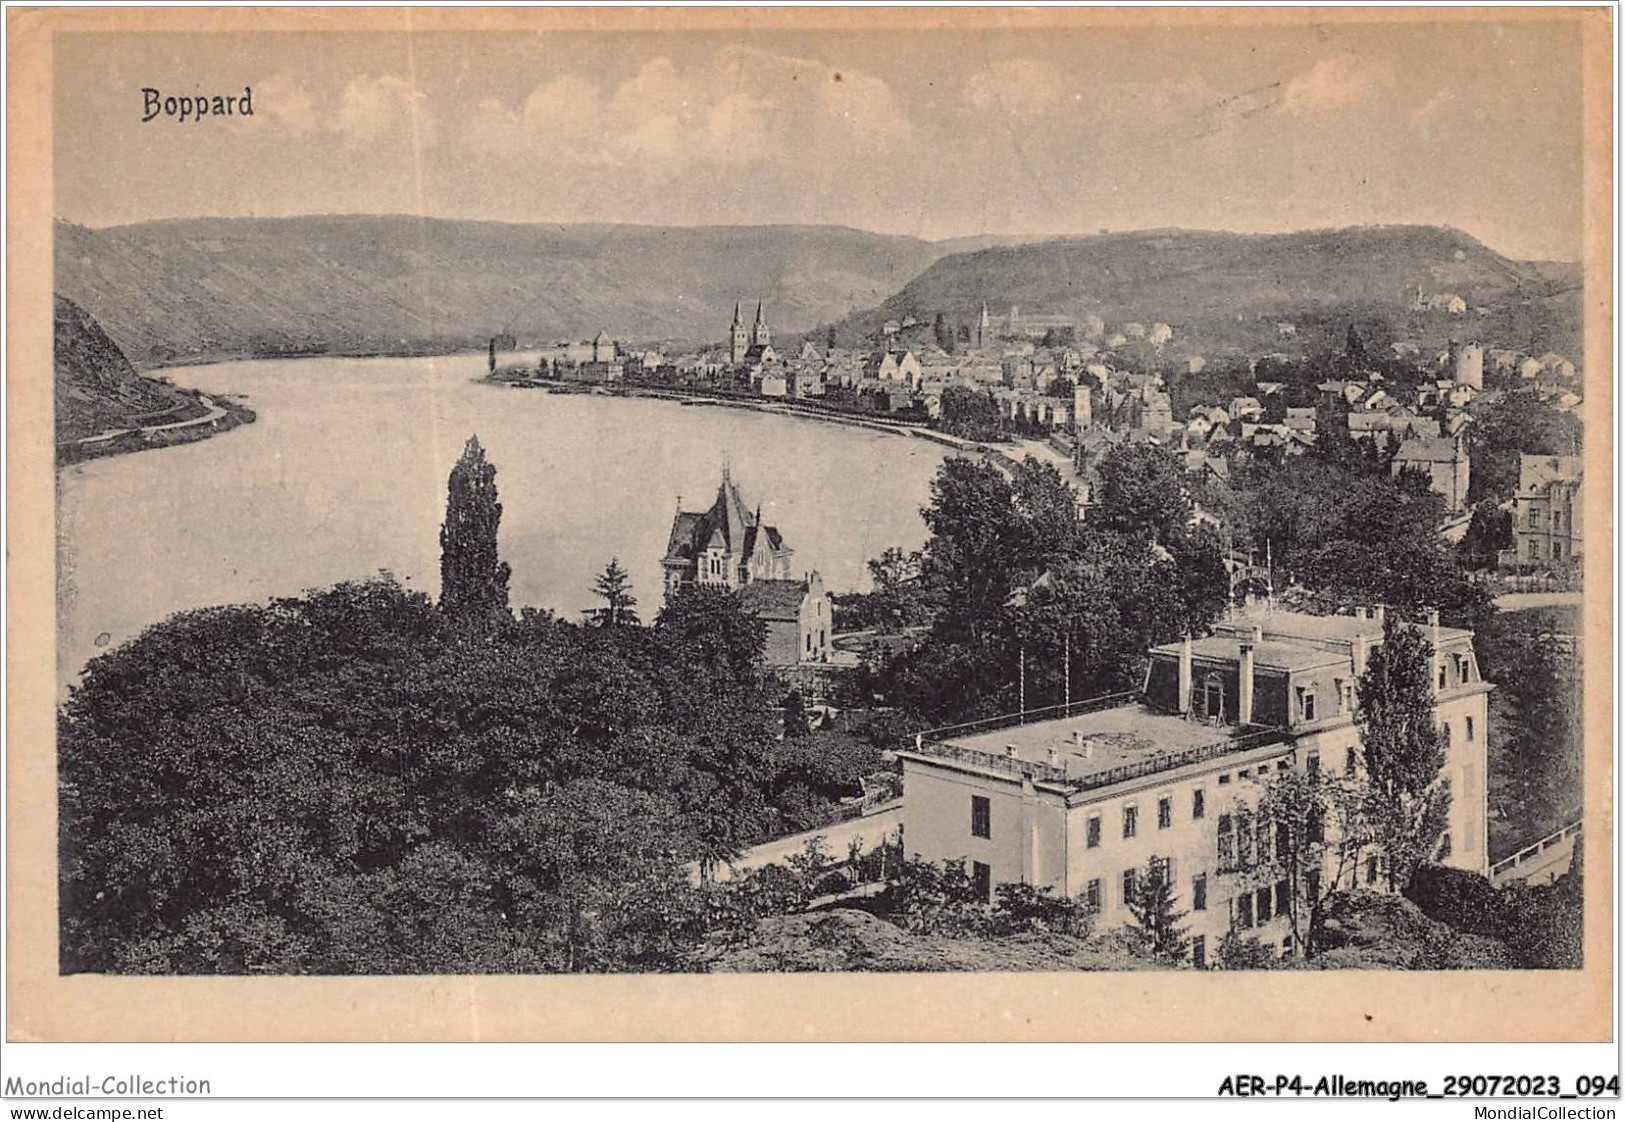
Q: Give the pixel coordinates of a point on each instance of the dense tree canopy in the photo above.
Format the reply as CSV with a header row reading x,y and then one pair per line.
x,y
1017,575
351,782
1511,425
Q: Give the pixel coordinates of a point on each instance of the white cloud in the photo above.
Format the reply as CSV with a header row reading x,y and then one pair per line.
x,y
1334,83
743,106
287,102
374,109
1022,86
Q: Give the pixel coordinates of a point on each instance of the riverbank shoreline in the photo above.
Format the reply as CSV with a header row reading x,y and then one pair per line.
x,y
773,406
221,414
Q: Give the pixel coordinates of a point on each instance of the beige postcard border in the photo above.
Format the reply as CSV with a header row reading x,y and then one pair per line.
x,y
1330,1006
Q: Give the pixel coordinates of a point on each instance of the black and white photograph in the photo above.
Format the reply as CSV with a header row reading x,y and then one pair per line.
x,y
807,498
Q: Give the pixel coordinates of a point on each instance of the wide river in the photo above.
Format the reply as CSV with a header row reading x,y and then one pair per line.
x,y
344,474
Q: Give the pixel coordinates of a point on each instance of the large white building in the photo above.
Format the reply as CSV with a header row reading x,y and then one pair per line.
x,y
1083,804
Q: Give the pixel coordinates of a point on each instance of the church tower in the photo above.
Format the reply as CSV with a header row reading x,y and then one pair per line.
x,y
739,338
759,336
984,329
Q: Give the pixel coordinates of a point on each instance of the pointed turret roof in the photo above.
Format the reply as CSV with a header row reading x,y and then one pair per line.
x,y
738,319
727,525
758,309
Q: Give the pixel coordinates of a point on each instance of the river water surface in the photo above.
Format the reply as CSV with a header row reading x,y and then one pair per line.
x,y
344,474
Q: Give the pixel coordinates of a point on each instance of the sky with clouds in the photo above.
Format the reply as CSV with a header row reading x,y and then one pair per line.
x,y
934,133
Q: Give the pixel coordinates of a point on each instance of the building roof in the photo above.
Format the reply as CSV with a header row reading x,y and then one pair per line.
x,y
1429,450
727,525
1307,626
1126,734
1269,654
1537,472
774,599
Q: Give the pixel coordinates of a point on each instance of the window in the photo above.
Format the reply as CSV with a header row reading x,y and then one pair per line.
x,y
1337,687
1199,952
1312,764
1165,812
1244,838
1198,803
1371,869
1264,905
1091,895
1128,885
1213,697
1306,702
1199,893
1283,898
1441,675
1244,910
1227,841
1444,734
982,876
1469,730
1131,821
981,817
1224,780
1534,518
1444,846
1283,845
1349,763
1093,832
1245,773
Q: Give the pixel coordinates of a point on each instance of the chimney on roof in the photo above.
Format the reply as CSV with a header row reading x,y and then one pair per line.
x,y
1359,611
1244,694
1433,626
1010,750
1382,614
1051,754
1358,646
1258,634
1185,675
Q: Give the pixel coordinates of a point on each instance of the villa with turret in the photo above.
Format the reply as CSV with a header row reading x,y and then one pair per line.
x,y
728,546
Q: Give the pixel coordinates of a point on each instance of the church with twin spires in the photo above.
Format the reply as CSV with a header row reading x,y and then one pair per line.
x,y
729,547
750,347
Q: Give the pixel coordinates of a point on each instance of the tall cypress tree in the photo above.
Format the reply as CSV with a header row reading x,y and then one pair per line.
x,y
473,579
1403,749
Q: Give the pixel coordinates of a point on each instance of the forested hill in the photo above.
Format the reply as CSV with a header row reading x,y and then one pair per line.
x,y
96,388
204,288
1223,292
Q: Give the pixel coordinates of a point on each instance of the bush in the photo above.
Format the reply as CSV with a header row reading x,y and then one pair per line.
x,y
930,899
1020,909
1237,953
1464,900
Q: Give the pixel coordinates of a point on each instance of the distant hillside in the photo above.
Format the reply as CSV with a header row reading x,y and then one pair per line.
x,y
98,392
1227,292
210,287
